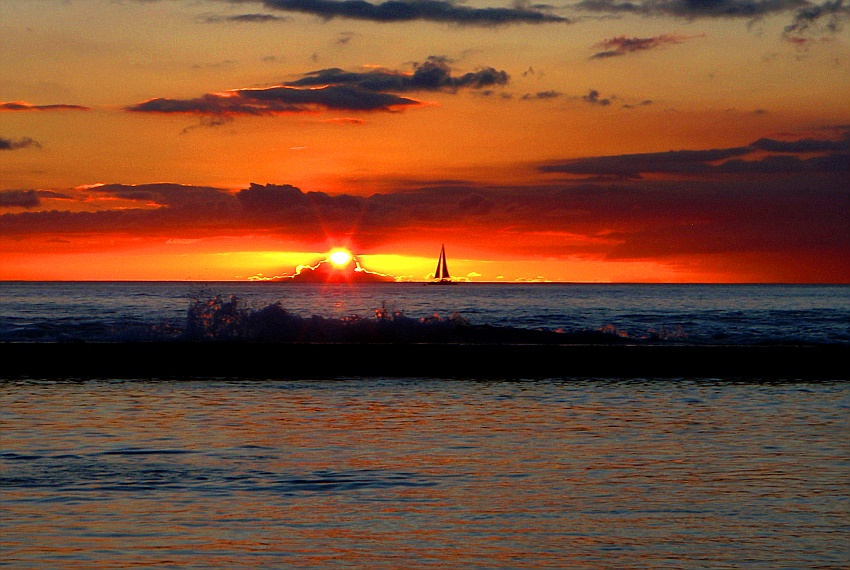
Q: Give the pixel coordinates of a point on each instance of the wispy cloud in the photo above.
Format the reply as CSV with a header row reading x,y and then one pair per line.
x,y
542,95
818,19
621,45
243,18
830,156
14,106
405,11
806,16
16,144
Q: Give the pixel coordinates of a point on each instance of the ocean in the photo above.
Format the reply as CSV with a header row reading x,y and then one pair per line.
x,y
693,314
422,471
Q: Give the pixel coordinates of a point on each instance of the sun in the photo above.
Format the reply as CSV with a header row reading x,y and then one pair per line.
x,y
340,257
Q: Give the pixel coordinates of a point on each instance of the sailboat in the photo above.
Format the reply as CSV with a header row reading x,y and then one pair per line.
x,y
441,274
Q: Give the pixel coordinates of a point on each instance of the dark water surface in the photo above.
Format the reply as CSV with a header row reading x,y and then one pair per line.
x,y
699,314
424,473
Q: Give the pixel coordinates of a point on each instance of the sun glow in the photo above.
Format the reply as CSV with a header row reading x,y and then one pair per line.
x,y
340,257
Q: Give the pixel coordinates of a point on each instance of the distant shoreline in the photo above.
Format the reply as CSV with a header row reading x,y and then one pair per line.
x,y
260,360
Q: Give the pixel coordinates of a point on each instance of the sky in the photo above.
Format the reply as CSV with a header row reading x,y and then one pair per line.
x,y
589,141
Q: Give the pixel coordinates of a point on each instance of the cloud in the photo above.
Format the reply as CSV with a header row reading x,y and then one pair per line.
x,y
345,121
621,45
19,199
803,145
693,8
632,165
175,196
833,157
244,18
827,18
644,103
832,162
345,37
795,217
434,74
807,16
278,100
327,272
328,89
593,98
23,106
542,95
414,10
12,144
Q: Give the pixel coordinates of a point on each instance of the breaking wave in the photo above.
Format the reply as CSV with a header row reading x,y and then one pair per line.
x,y
224,319
558,314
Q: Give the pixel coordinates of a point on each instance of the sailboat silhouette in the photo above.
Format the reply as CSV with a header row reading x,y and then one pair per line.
x,y
441,274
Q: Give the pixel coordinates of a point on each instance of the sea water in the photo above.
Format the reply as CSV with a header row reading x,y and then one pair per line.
x,y
715,314
421,472
416,473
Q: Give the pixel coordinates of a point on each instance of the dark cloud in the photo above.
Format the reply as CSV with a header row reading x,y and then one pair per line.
x,y
644,103
632,165
276,205
807,17
542,95
345,37
803,145
693,8
412,10
833,158
431,75
330,89
52,194
22,106
277,100
621,45
832,162
245,18
19,199
593,98
338,97
796,216
175,196
12,144
827,18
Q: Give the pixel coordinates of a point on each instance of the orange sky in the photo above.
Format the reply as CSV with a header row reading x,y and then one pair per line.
x,y
665,141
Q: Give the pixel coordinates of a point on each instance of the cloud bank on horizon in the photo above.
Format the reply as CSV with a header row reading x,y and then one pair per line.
x,y
796,205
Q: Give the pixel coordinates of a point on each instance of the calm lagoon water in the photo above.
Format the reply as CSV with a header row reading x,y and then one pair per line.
x,y
425,473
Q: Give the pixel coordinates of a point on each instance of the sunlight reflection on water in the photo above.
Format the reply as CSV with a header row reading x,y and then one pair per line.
x,y
417,473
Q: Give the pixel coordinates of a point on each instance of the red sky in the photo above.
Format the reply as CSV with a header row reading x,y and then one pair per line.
x,y
596,141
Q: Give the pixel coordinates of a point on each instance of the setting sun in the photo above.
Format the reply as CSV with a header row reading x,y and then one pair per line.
x,y
340,257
